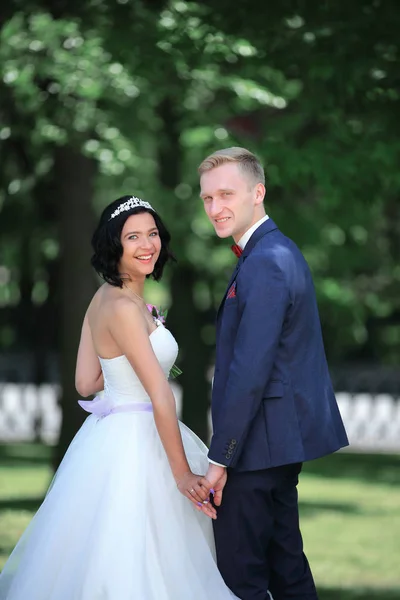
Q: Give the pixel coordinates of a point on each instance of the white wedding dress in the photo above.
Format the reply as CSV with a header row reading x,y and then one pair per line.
x,y
113,525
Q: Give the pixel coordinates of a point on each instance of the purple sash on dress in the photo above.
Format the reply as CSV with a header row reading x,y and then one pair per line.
x,y
101,406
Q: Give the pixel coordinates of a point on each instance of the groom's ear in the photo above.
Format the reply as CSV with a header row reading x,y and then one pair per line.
x,y
259,191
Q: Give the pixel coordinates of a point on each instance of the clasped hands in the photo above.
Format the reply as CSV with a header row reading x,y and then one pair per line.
x,y
198,489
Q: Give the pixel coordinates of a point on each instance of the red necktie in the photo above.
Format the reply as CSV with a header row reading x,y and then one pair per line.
x,y
237,251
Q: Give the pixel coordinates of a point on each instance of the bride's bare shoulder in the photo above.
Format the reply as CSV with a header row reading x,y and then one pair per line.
x,y
117,303
106,300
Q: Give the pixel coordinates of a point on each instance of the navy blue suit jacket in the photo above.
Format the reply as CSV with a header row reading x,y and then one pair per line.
x,y
272,401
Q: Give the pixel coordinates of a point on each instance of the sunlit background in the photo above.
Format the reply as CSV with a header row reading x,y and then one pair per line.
x,y
101,98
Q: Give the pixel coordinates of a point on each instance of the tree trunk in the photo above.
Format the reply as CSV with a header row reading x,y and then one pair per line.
x,y
74,176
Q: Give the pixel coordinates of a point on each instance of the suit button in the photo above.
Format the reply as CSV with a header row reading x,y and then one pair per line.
x,y
227,456
233,441
231,446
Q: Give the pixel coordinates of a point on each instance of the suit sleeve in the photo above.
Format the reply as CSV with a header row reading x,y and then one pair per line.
x,y
263,298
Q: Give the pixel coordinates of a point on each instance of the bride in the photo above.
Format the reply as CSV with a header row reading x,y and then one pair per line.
x,y
127,516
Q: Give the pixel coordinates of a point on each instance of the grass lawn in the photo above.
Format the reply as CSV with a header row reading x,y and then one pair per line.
x,y
350,516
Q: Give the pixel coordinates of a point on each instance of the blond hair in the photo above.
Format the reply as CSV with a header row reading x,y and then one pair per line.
x,y
246,160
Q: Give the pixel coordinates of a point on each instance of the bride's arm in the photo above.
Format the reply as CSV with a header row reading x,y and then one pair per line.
x,y
129,331
88,375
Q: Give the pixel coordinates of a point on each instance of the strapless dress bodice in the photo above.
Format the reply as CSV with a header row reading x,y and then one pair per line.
x,y
121,384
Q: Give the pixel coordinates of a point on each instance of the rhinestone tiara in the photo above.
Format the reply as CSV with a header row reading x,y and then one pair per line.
x,y
133,202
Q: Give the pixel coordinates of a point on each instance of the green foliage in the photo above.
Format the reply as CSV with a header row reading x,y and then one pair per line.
x,y
313,90
62,74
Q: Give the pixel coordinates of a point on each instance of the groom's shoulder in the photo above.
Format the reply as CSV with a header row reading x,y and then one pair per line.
x,y
275,242
276,247
277,239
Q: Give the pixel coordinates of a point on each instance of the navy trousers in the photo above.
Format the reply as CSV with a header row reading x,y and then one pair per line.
x,y
258,539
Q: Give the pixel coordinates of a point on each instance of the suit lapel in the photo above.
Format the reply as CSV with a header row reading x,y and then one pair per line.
x,y
259,233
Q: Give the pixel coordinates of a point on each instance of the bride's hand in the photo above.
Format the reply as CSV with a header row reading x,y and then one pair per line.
x,y
197,490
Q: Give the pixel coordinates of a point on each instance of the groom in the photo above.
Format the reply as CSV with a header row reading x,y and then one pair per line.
x,y
273,405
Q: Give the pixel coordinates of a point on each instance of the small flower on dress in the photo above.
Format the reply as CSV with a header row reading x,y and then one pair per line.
x,y
157,313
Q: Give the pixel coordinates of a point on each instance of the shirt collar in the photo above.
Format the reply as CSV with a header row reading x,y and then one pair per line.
x,y
245,238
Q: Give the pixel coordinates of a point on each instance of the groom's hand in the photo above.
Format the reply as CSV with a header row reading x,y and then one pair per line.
x,y
216,477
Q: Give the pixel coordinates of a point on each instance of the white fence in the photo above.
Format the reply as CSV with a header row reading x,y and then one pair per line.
x,y
28,412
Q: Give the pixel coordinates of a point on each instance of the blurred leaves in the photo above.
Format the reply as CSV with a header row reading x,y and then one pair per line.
x,y
313,89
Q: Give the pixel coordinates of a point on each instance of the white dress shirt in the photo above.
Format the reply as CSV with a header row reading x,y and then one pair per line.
x,y
246,236
242,243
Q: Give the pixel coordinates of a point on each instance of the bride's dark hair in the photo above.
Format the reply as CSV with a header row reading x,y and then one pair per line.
x,y
107,247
